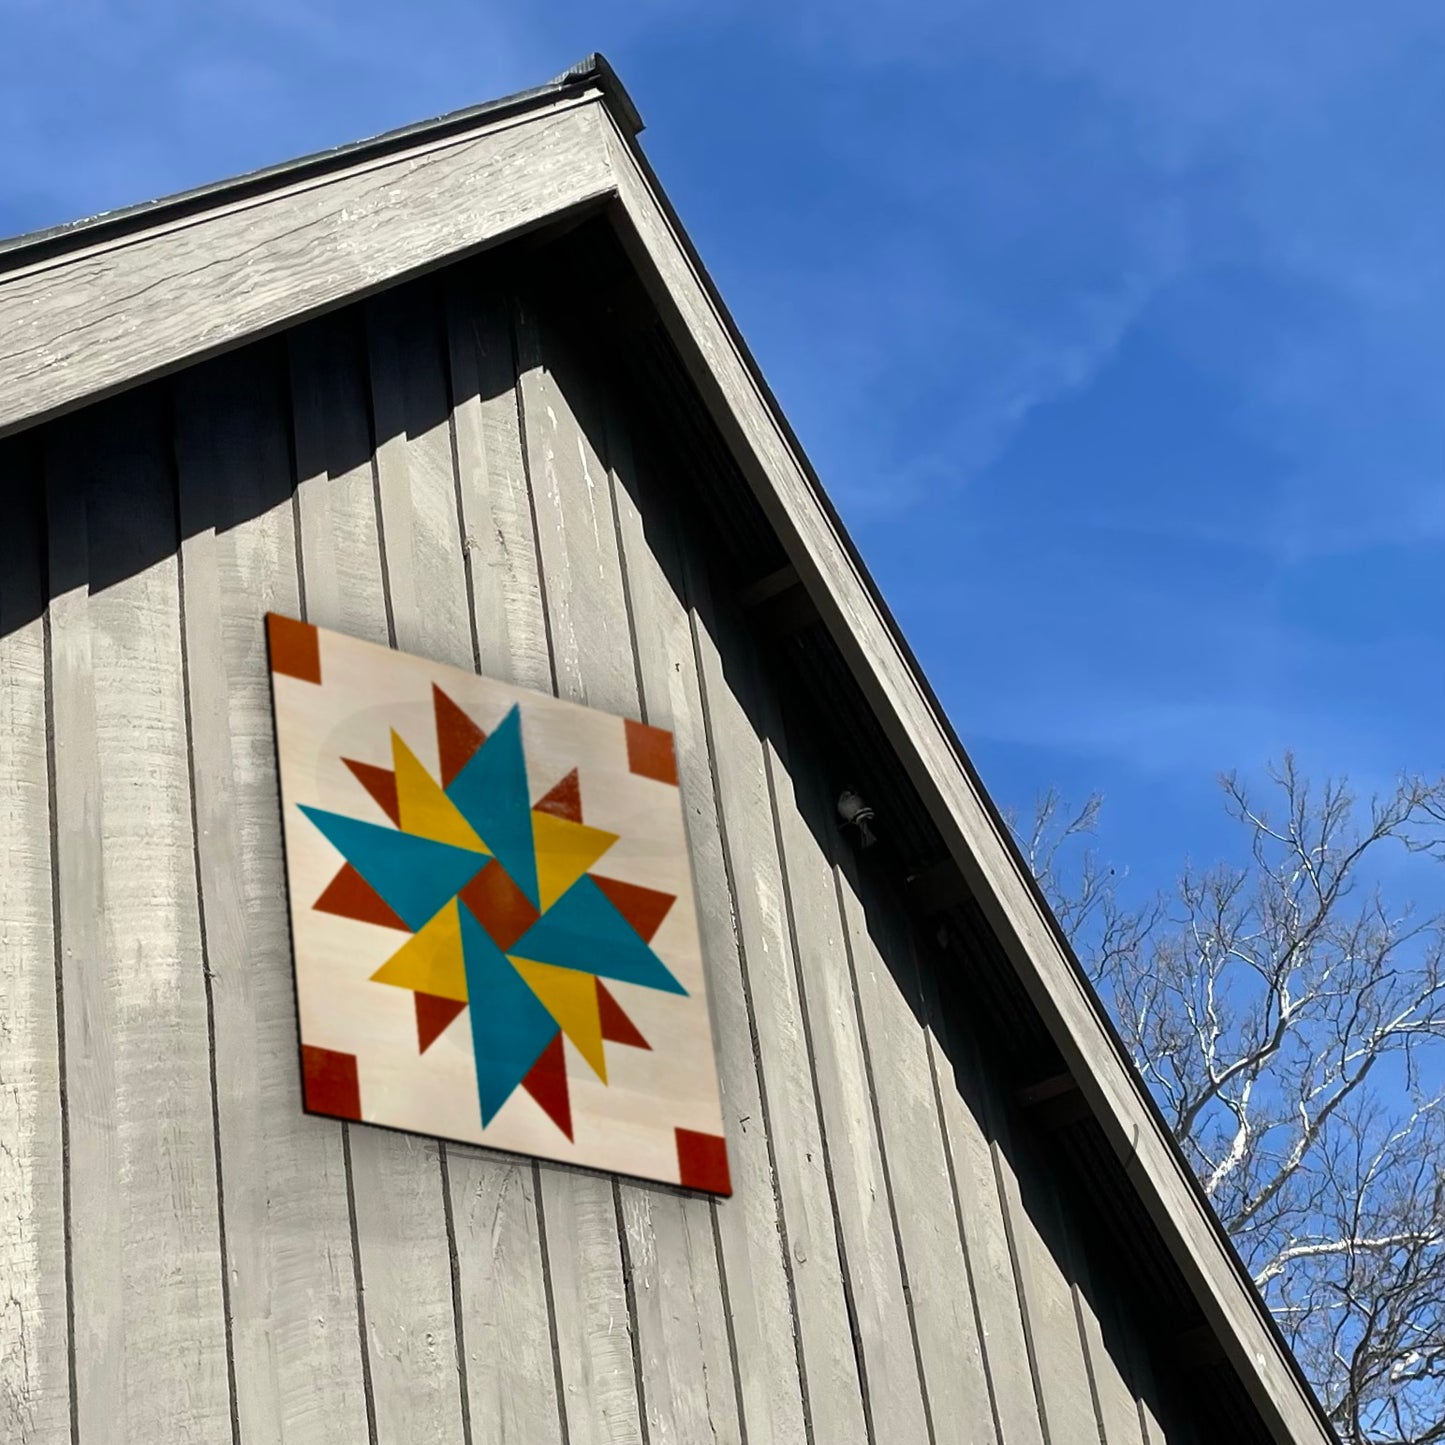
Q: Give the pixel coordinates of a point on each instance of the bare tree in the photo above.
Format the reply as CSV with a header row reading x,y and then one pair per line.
x,y
1288,1010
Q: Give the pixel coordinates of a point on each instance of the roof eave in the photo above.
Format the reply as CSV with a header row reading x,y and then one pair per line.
x,y
165,284
985,853
593,73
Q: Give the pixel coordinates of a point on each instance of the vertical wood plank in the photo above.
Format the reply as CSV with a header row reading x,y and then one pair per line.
x,y
957,1078
416,484
292,1284
777,1024
401,1200
151,1337
1149,1422
888,992
1115,1401
511,1379
869,1243
34,1338
1153,1411
506,1317
335,485
1168,1409
752,1266
398,1210
688,1368
1120,1327
499,541
1050,1320
593,663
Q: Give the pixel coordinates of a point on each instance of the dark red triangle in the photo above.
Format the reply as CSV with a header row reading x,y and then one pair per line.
x,y
643,908
565,800
349,895
380,783
546,1082
433,1014
616,1026
458,737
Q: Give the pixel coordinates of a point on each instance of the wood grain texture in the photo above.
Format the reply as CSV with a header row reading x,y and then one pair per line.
x,y
592,656
593,664
401,1205
890,1008
105,316
689,1373
288,1236
510,1376
1061,1371
487,1282
150,1332
752,1265
416,483
340,562
498,539
688,1384
335,487
972,830
869,1244
501,1266
34,1337
399,1213
776,1019
961,1091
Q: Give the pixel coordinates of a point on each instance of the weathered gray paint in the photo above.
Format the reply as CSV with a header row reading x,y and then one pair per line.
x,y
143,1177
690,1385
242,1272
288,1240
973,831
120,300
34,1389
759,1325
103,314
500,1255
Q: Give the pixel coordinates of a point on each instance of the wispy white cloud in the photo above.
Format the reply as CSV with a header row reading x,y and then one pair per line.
x,y
951,230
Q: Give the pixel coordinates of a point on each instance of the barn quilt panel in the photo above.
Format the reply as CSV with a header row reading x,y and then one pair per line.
x,y
492,916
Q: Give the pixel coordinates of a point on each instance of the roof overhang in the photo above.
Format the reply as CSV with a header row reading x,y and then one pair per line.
x,y
93,308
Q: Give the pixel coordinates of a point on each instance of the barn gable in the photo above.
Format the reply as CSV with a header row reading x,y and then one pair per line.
x,y
467,390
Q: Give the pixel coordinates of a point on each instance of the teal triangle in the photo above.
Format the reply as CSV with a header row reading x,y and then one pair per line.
x,y
510,1027
491,792
583,930
415,876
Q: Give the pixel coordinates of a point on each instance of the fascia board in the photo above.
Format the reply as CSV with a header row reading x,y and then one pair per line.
x,y
972,827
102,314
106,314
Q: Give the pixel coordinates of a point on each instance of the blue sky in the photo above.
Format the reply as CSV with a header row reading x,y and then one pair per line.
x,y
1116,331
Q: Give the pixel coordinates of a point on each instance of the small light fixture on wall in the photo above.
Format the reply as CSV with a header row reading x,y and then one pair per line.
x,y
853,812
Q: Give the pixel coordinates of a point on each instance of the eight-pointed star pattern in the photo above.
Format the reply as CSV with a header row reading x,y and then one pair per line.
x,y
500,906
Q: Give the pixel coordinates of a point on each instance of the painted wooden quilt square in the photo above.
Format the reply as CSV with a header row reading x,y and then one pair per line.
x,y
492,914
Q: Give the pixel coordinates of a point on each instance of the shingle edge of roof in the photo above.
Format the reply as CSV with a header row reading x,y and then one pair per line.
x,y
592,71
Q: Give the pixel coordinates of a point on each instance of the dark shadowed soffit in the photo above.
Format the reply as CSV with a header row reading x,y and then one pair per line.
x,y
595,74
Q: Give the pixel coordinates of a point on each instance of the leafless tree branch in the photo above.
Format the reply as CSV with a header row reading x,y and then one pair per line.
x,y
1288,1009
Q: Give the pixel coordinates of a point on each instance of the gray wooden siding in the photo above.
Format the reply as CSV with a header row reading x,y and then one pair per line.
x,y
184,1256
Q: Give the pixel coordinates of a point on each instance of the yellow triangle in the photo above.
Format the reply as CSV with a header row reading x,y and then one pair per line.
x,y
431,961
426,810
570,996
565,851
